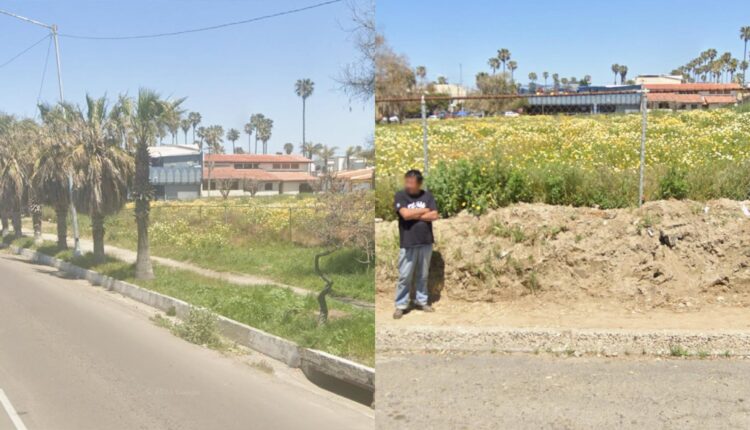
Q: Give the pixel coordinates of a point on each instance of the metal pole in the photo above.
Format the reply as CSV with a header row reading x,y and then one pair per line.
x,y
424,135
73,212
644,125
53,29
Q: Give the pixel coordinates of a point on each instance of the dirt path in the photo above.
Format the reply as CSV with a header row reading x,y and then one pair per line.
x,y
234,278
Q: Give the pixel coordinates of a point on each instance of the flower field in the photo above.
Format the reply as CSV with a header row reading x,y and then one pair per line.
x,y
480,164
613,141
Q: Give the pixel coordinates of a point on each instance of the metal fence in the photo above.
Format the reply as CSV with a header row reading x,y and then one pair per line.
x,y
633,100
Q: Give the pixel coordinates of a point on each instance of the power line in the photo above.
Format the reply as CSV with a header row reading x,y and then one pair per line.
x,y
44,71
24,51
201,29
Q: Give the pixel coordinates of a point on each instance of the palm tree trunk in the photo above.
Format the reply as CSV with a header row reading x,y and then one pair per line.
x,y
304,112
143,268
256,143
61,211
744,59
16,220
5,223
97,234
36,221
249,144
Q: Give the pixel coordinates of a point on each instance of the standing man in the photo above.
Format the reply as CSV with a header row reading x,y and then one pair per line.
x,y
416,210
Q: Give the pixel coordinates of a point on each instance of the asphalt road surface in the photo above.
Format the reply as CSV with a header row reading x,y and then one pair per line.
x,y
77,357
547,392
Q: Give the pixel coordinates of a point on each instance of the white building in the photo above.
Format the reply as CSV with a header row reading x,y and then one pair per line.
x,y
254,174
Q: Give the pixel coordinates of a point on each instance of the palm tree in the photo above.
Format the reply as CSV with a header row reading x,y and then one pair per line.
x,y
556,81
185,125
545,75
745,37
256,120
232,136
512,66
504,56
103,169
53,165
304,89
616,70
249,128
309,149
147,120
288,148
214,138
264,133
352,151
623,74
195,119
494,64
325,153
421,73
16,162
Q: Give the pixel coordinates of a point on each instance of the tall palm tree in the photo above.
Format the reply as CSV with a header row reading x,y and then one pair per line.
x,y
249,128
309,149
304,89
288,148
257,121
745,37
325,153
421,73
103,169
195,119
232,136
214,138
352,151
512,66
17,157
545,75
185,125
616,70
494,64
504,56
147,119
623,74
265,130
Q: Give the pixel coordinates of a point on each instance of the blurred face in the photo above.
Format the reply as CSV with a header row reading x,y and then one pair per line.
x,y
412,185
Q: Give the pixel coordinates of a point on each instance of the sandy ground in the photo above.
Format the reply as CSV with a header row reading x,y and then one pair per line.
x,y
671,264
546,392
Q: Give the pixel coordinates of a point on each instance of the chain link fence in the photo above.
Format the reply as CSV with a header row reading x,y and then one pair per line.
x,y
654,144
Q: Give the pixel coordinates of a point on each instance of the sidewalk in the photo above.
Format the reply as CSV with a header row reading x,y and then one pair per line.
x,y
129,256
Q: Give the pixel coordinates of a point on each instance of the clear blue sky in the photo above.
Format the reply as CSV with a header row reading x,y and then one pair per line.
x,y
572,37
226,74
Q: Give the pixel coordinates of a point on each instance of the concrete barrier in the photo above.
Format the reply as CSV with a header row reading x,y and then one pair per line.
x,y
265,343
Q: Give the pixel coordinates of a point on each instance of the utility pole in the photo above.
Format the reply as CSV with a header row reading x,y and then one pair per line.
x,y
53,31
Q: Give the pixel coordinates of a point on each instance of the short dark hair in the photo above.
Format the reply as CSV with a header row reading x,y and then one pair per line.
x,y
414,173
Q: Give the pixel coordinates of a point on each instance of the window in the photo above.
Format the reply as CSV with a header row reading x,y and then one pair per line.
x,y
269,186
285,166
246,166
276,166
295,165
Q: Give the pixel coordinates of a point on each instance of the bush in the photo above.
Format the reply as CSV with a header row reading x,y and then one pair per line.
x,y
673,185
199,327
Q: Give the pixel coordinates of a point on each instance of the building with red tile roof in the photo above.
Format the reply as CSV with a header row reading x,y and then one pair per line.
x,y
256,174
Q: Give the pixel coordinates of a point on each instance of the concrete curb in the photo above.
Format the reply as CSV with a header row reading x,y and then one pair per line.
x,y
571,341
265,343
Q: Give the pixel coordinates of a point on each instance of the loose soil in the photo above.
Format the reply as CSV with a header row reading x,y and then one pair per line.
x,y
670,264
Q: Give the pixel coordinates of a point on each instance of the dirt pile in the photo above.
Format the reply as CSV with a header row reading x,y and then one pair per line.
x,y
677,255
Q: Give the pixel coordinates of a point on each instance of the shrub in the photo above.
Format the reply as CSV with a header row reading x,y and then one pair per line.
x,y
673,185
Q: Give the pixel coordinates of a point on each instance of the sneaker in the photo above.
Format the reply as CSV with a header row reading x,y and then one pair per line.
x,y
426,308
397,314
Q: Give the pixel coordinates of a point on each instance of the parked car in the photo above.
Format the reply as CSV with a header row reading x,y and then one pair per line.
x,y
511,114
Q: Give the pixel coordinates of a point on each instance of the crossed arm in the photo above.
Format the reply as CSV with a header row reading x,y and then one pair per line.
x,y
422,214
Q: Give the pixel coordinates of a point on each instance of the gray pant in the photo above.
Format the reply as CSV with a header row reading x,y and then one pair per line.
x,y
413,266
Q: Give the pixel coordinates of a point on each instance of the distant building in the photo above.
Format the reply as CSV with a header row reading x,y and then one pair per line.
x,y
354,180
253,174
339,163
687,96
175,172
658,79
453,90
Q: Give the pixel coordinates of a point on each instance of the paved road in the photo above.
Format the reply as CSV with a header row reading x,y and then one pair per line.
x,y
77,357
545,392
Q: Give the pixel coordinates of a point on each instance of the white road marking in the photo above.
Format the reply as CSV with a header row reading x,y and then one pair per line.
x,y
12,414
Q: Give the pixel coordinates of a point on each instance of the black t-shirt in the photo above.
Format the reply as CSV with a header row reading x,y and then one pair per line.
x,y
414,232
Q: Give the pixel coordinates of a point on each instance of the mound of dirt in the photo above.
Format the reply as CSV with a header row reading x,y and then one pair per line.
x,y
677,255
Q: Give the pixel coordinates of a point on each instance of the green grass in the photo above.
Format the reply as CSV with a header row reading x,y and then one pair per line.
x,y
349,333
240,246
